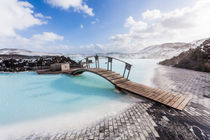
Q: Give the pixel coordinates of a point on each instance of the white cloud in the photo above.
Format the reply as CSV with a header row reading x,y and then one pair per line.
x,y
16,15
135,25
151,14
19,15
78,5
45,41
89,49
46,37
81,26
185,24
39,15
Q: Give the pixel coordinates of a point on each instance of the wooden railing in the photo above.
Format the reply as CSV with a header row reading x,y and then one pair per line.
x,y
109,63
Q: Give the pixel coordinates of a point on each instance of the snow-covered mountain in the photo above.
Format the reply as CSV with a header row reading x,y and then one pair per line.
x,y
197,58
166,50
162,51
8,51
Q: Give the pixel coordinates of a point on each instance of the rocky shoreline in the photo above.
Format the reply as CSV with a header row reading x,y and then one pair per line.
x,y
195,59
19,63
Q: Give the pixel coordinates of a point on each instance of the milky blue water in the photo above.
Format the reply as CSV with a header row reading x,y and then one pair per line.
x,y
141,70
28,96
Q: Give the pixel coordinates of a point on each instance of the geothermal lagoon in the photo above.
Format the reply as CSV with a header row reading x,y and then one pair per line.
x,y
32,103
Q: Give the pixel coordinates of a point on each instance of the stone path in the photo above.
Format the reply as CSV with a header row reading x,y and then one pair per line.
x,y
147,120
195,85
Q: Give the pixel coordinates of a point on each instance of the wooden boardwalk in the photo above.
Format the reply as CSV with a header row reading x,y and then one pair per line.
x,y
173,100
121,82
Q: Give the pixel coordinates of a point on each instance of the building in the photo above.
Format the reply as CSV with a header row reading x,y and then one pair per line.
x,y
60,67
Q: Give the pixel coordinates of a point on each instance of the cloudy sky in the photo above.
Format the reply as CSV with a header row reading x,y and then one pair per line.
x,y
90,26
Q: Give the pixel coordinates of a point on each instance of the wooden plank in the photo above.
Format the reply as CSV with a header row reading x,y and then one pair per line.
x,y
140,89
160,96
131,85
142,93
109,74
169,99
155,94
97,70
164,97
93,69
173,100
179,101
127,83
119,80
136,91
106,75
137,88
103,72
171,96
121,85
183,104
147,92
115,77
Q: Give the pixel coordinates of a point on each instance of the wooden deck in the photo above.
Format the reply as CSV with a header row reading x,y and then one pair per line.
x,y
173,100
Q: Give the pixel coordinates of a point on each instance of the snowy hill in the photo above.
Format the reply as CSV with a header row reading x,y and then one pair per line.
x,y
165,50
8,51
162,51
197,58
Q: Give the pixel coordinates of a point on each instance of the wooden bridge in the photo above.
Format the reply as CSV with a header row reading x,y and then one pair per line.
x,y
122,82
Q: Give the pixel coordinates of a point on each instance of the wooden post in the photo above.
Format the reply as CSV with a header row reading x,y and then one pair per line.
x,y
127,67
109,64
124,71
87,62
97,61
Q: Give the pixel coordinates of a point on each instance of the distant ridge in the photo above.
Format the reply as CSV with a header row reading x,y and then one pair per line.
x,y
160,51
166,50
13,51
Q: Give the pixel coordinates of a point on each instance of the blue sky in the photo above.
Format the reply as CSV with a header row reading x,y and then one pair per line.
x,y
110,13
76,26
